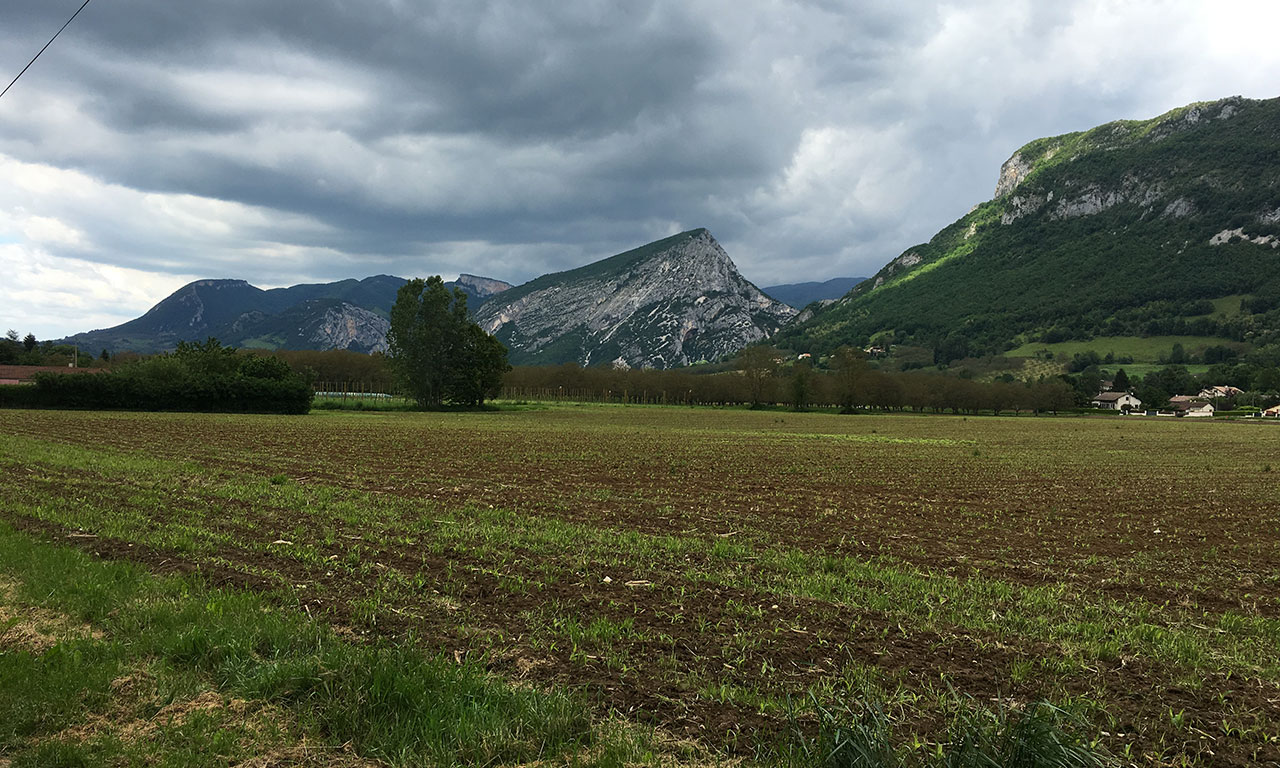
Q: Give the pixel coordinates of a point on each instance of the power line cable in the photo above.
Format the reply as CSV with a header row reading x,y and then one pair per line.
x,y
42,50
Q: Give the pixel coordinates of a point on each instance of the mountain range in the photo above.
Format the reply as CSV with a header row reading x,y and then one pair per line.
x,y
1167,226
349,314
676,301
1135,228
801,295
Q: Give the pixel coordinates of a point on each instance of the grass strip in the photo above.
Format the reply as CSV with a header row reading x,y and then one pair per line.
x,y
198,649
390,703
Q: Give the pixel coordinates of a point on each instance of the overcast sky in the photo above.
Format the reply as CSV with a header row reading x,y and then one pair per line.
x,y
292,141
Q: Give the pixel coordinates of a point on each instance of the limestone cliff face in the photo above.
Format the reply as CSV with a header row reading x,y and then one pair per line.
x,y
673,302
1014,170
347,326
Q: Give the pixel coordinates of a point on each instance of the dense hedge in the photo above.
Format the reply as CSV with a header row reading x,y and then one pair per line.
x,y
198,377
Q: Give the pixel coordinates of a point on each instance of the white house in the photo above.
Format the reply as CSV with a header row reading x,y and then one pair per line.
x,y
1194,407
1117,401
1273,412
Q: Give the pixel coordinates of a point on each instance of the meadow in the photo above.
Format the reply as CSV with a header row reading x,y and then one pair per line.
x,y
1143,349
644,584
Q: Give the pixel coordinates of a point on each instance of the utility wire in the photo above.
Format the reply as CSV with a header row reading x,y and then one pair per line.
x,y
42,50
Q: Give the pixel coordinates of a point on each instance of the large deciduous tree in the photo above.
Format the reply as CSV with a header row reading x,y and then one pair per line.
x,y
437,351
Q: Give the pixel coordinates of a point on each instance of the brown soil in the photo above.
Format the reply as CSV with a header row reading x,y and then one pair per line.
x,y
1203,543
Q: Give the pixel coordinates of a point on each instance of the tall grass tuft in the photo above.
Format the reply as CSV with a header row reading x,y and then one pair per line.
x,y
849,735
1038,737
859,735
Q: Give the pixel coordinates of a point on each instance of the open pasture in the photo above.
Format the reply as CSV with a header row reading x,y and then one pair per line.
x,y
706,571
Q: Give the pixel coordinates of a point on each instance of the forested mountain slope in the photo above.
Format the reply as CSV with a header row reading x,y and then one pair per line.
x,y
1127,229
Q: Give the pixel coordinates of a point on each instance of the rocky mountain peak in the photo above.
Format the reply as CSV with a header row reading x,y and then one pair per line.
x,y
481,287
672,302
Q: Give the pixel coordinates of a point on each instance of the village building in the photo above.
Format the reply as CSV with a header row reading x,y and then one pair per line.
x,y
1210,393
1193,407
1272,413
1117,401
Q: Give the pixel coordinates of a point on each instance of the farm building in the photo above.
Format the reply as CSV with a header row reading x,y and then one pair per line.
x,y
1272,413
25,374
1117,401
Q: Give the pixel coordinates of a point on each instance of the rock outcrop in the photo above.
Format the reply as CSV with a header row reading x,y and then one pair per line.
x,y
673,302
346,326
480,288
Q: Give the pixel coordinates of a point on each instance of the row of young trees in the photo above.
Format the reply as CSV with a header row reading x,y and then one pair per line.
x,y
762,380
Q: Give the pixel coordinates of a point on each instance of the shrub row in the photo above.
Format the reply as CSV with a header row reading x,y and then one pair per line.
x,y
196,377
109,391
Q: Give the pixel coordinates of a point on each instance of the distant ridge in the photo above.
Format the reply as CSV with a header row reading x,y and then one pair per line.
x,y
801,295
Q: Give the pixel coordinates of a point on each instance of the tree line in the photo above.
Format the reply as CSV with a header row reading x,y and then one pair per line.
x,y
763,378
16,349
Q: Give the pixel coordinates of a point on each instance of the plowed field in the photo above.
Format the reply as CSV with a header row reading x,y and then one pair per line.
x,y
701,570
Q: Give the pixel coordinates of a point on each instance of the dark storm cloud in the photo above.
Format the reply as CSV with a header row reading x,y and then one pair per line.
x,y
607,95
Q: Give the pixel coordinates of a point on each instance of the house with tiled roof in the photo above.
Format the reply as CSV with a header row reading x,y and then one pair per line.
x,y
1191,406
1210,393
1117,401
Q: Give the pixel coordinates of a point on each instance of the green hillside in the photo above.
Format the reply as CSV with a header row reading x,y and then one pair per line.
x,y
1164,227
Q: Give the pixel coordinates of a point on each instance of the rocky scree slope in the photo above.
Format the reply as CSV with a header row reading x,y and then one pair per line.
x,y
673,302
1126,229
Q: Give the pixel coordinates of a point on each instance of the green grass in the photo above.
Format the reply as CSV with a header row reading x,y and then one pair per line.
x,y
1136,371
1141,349
169,671
179,638
1228,306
